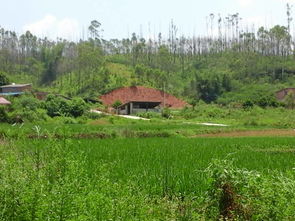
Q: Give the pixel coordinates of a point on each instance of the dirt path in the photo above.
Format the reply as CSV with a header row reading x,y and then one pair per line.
x,y
124,116
252,133
207,124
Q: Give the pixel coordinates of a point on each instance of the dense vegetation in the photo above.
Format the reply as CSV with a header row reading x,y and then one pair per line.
x,y
234,66
27,108
146,179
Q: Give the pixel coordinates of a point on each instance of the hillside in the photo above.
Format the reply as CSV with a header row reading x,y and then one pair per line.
x,y
222,70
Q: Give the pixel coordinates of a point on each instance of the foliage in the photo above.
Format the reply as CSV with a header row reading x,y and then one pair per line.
x,y
3,115
240,194
116,105
166,113
27,108
3,78
186,66
248,104
58,106
290,100
78,107
149,115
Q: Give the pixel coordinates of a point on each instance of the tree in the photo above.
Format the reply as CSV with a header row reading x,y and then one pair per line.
x,y
208,86
116,105
281,38
193,102
94,29
51,58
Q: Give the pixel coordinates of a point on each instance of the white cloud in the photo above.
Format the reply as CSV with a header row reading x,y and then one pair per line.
x,y
245,3
52,27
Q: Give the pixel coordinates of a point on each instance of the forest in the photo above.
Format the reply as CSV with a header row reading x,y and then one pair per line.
x,y
233,66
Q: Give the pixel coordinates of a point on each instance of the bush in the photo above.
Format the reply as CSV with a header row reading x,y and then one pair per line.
x,y
93,116
26,102
57,106
240,194
248,104
21,115
77,107
69,120
166,113
149,115
26,108
267,101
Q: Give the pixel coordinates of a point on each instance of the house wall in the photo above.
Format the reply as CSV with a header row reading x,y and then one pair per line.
x,y
134,109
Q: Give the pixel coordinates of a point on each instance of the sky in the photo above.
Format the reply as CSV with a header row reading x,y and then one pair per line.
x,y
70,19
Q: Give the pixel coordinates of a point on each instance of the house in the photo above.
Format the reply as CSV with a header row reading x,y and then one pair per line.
x,y
281,94
137,99
15,89
3,101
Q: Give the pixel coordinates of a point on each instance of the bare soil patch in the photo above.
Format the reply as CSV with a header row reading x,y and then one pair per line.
x,y
252,133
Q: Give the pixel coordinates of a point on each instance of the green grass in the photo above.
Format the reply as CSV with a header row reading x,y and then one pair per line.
x,y
112,126
172,178
177,163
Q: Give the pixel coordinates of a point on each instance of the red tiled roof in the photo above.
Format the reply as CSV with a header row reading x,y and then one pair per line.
x,y
3,101
281,94
141,94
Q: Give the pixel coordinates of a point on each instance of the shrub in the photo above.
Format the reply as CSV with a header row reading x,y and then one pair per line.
x,y
267,101
166,113
26,102
240,194
69,120
53,105
262,102
77,107
57,106
149,115
248,104
21,115
26,108
93,116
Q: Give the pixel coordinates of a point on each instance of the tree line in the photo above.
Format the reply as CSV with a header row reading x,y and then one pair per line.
x,y
197,67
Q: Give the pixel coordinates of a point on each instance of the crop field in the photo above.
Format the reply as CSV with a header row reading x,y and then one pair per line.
x,y
153,178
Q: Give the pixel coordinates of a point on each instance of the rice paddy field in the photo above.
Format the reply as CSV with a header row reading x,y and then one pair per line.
x,y
56,176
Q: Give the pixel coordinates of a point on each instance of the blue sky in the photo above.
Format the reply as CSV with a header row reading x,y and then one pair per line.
x,y
119,18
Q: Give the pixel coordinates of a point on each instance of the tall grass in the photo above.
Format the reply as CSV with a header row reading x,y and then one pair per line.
x,y
143,179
